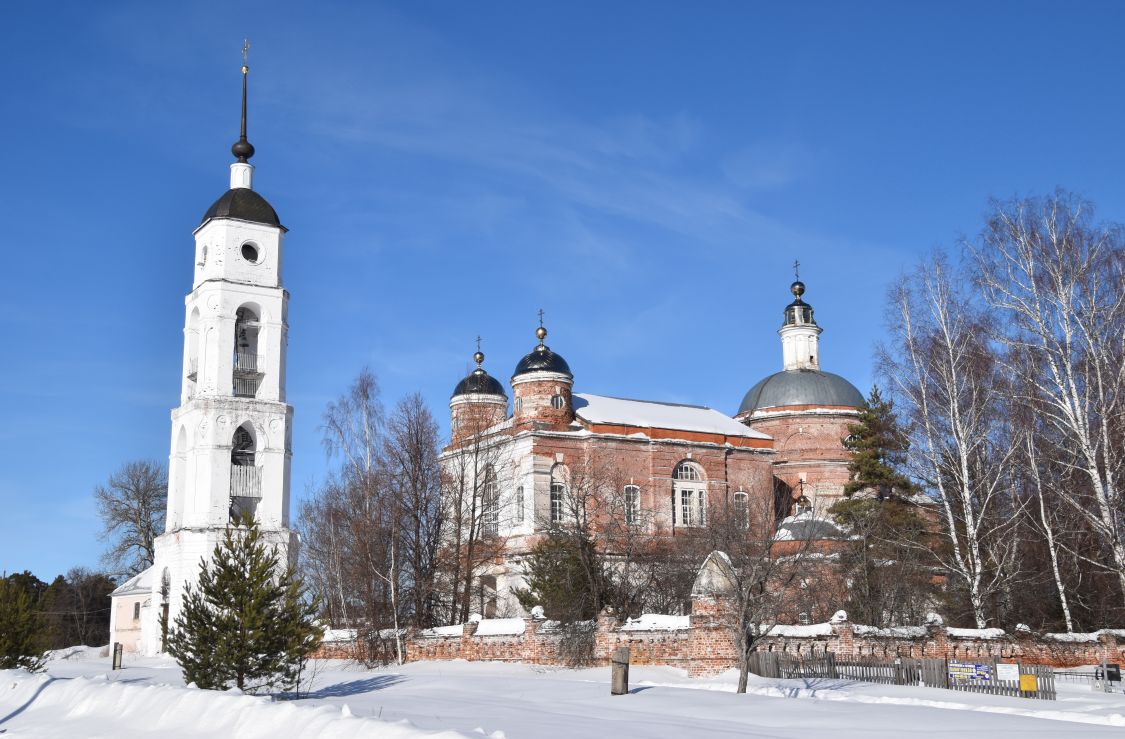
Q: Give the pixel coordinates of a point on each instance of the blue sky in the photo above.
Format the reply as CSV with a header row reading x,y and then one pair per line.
x,y
645,172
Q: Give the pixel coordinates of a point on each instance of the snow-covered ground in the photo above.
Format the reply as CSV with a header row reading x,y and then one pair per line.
x,y
80,697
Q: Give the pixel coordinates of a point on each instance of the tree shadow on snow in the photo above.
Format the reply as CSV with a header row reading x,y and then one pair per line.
x,y
355,687
24,707
814,684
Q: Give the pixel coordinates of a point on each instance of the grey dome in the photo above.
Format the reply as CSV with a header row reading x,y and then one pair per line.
x,y
245,205
801,387
542,359
479,382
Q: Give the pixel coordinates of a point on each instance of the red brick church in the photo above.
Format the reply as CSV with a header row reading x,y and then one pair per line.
x,y
673,464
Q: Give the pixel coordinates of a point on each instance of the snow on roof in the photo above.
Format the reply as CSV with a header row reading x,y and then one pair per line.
x,y
500,627
656,622
651,414
138,584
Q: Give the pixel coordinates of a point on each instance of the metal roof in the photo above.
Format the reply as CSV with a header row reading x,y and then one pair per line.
x,y
479,382
542,359
602,409
244,204
801,387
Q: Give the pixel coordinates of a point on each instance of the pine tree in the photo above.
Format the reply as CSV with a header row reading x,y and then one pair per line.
x,y
247,623
22,632
878,446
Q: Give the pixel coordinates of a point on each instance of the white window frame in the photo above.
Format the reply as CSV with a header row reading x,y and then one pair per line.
x,y
689,502
490,505
558,494
742,509
632,496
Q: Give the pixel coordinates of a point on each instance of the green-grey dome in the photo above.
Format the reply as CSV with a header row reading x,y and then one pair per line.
x,y
801,387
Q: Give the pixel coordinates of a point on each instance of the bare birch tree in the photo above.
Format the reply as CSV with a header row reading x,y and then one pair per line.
x,y
944,374
1057,280
410,457
471,538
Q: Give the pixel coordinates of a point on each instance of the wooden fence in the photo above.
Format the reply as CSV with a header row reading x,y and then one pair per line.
x,y
1030,681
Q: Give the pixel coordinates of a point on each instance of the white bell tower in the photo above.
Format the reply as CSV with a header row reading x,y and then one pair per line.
x,y
231,435
800,336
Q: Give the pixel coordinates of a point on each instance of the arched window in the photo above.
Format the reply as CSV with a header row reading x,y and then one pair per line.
x,y
490,504
689,495
742,510
632,505
558,402
247,362
558,494
245,477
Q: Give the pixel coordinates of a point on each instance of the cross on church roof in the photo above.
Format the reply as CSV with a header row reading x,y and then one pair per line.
x,y
797,270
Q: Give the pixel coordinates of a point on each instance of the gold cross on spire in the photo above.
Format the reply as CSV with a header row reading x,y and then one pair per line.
x,y
245,53
540,317
478,343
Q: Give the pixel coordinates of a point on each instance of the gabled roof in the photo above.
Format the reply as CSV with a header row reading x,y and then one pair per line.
x,y
605,410
139,584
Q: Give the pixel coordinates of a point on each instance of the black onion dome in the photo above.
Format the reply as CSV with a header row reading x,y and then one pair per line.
x,y
542,359
245,205
479,382
801,387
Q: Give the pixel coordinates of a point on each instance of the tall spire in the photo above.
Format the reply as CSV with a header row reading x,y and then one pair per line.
x,y
242,148
242,171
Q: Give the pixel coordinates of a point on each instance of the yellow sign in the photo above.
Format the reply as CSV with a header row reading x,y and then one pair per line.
x,y
1029,683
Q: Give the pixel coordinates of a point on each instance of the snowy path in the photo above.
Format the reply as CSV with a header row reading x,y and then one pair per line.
x,y
506,701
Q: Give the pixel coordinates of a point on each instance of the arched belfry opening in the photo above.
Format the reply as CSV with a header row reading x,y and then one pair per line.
x,y
245,475
193,352
248,363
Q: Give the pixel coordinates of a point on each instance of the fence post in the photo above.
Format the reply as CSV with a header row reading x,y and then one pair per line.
x,y
619,684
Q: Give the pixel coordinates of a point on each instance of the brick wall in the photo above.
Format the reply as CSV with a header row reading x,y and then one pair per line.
x,y
707,647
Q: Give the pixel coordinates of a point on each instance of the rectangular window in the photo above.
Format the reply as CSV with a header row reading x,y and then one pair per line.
x,y
490,515
518,505
687,507
632,505
693,507
742,510
557,492
136,611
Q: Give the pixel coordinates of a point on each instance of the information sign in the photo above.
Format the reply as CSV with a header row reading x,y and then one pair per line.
x,y
1008,673
970,672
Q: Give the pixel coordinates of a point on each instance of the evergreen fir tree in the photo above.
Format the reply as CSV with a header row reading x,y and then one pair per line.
x,y
878,446
22,631
564,575
247,623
